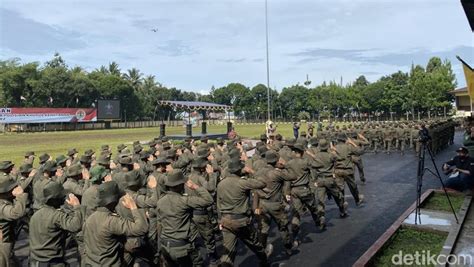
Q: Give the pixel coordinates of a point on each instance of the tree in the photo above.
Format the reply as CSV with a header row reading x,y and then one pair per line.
x,y
114,68
134,76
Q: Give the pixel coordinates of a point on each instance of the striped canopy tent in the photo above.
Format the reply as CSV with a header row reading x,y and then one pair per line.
x,y
195,105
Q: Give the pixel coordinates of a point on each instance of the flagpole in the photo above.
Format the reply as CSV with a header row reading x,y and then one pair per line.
x,y
268,63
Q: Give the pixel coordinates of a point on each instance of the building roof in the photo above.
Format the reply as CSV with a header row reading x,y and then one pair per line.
x,y
195,105
459,90
468,6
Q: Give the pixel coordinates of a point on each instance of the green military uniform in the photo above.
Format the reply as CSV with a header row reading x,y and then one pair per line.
x,y
271,200
104,230
202,218
175,211
48,226
233,203
357,159
344,170
11,210
324,163
301,195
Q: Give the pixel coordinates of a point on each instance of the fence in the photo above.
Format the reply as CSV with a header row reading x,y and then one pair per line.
x,y
47,127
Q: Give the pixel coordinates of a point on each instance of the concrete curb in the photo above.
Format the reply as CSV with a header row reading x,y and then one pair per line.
x,y
448,247
452,238
365,259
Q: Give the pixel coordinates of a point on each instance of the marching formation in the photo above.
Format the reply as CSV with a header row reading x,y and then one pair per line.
x,y
156,206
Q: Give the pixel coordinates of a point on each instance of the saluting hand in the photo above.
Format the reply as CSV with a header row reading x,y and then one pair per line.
x,y
191,185
209,169
152,182
136,166
85,174
33,173
73,200
17,191
128,202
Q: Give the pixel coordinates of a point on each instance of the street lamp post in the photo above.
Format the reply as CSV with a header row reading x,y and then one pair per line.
x,y
268,64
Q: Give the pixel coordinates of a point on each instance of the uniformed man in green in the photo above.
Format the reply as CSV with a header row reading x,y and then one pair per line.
x,y
300,194
12,208
345,166
50,224
271,201
175,211
203,175
236,222
324,163
104,230
48,172
74,174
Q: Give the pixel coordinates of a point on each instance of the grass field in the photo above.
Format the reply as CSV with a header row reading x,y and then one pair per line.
x,y
410,241
14,145
438,201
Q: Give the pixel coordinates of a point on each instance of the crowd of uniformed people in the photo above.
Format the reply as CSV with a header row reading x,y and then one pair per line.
x,y
156,206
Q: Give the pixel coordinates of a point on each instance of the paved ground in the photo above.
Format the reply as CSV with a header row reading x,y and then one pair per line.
x,y
389,191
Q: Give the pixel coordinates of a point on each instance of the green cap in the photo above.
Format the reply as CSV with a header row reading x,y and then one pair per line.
x,y
235,165
271,157
103,160
89,152
43,158
137,149
199,162
7,183
175,178
341,137
50,166
160,160
71,152
323,145
85,159
5,164
314,141
107,193
53,190
74,170
98,173
104,147
262,150
121,147
61,159
25,168
203,153
299,147
29,153
126,160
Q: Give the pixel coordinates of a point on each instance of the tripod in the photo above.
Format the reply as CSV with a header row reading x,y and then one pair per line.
x,y
421,171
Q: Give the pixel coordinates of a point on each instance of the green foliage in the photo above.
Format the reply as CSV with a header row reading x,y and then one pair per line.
x,y
304,116
438,201
422,90
410,241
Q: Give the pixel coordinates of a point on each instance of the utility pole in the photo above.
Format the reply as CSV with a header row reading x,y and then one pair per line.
x,y
268,63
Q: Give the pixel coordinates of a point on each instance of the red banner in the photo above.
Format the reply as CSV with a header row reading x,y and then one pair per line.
x,y
45,115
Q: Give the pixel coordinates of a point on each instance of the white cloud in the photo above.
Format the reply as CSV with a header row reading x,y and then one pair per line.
x,y
203,43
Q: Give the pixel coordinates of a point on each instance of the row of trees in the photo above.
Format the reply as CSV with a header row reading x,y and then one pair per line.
x,y
424,90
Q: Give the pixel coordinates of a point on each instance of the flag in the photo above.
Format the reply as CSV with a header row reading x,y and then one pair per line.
x,y
50,100
77,100
22,98
469,75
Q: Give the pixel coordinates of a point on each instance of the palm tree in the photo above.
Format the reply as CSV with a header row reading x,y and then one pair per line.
x,y
134,76
114,68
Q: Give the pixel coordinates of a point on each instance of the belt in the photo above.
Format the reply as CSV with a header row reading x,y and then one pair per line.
x,y
200,212
173,242
234,216
50,263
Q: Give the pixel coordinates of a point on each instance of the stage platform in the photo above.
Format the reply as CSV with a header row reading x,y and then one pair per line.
x,y
197,136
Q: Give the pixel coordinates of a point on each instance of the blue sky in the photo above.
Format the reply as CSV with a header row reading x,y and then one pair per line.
x,y
199,44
